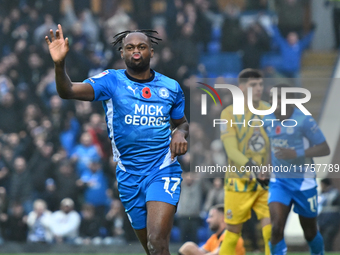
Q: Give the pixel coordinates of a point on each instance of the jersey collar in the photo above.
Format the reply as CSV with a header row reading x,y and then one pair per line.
x,y
141,81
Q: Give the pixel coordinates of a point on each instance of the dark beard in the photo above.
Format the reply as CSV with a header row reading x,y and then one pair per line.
x,y
214,228
142,66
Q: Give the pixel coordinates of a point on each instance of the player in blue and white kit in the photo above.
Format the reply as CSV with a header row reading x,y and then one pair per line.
x,y
139,104
294,187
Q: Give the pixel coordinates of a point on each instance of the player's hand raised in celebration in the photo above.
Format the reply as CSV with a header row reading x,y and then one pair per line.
x,y
178,145
58,46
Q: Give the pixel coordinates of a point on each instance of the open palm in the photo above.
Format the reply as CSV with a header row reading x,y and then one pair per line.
x,y
58,46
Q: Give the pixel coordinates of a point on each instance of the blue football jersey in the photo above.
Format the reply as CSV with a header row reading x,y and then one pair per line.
x,y
137,116
305,134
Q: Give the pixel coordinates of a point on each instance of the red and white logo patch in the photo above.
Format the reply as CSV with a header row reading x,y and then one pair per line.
x,y
100,74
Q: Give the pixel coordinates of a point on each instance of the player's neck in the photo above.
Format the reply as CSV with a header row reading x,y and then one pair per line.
x,y
220,231
289,112
255,104
139,75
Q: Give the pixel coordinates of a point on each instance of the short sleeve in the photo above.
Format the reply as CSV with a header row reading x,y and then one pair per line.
x,y
312,131
208,245
177,110
103,85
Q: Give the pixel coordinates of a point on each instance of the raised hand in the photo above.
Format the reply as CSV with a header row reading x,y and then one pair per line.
x,y
58,46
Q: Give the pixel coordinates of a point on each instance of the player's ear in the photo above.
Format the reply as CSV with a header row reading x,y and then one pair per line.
x,y
242,86
152,52
121,53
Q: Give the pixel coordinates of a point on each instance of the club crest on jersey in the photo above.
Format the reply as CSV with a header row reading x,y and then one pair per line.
x,y
163,92
290,130
146,92
229,214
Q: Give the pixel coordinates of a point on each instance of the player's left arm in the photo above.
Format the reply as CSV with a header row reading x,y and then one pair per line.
x,y
179,144
318,150
215,252
313,133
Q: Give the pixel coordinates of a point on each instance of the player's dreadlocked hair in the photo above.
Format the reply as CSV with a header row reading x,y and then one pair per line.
x,y
118,38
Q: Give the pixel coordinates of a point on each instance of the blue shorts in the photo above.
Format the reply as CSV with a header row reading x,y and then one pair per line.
x,y
163,185
305,202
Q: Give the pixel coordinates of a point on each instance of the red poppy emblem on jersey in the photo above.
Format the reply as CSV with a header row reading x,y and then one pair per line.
x,y
146,92
278,130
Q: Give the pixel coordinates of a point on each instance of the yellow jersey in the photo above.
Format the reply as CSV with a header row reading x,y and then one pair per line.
x,y
243,138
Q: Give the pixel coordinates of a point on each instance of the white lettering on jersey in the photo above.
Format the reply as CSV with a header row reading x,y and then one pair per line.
x,y
159,110
149,109
279,143
140,117
152,113
138,120
139,110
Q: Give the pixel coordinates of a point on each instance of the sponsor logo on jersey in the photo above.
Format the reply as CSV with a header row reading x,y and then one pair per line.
x,y
142,116
133,90
283,143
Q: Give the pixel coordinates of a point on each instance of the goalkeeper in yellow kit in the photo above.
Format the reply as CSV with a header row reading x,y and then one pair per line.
x,y
245,146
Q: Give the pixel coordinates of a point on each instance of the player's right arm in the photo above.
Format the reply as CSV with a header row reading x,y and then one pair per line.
x,y
58,47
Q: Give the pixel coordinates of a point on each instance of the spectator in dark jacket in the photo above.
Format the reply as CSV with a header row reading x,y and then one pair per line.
x,y
231,37
16,226
65,183
256,42
41,167
89,231
21,186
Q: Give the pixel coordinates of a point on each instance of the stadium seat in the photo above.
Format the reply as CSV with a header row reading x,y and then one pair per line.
x,y
175,235
214,47
216,33
221,63
271,59
203,234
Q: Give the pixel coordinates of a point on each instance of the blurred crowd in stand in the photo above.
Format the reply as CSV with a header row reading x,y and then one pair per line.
x,y
57,177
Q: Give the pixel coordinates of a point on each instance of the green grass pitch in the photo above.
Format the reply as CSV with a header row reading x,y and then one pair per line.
x,y
249,253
